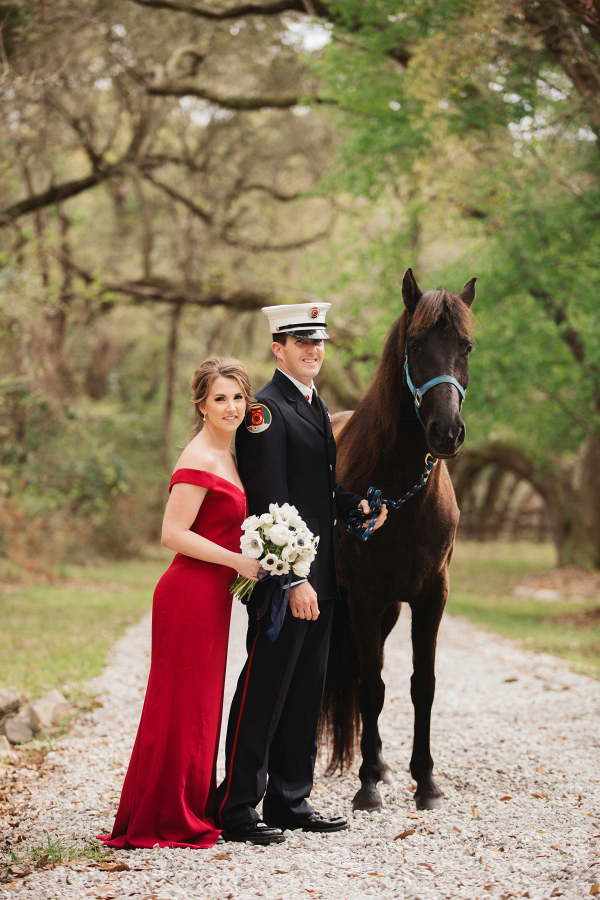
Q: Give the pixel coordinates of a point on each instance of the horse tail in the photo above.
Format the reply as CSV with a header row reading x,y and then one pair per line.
x,y
339,724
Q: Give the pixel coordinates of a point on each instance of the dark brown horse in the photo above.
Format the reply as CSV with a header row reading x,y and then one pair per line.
x,y
384,443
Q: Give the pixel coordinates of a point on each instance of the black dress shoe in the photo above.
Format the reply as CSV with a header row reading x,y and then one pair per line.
x,y
318,823
220,839
256,832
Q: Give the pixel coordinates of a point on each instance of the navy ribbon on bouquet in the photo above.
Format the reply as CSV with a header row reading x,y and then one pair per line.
x,y
277,597
362,524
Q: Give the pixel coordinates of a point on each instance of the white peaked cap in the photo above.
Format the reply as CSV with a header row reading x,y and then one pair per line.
x,y
299,319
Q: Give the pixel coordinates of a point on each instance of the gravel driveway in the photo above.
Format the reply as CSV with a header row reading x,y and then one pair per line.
x,y
516,743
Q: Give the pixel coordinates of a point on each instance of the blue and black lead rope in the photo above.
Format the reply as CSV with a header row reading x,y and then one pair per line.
x,y
362,525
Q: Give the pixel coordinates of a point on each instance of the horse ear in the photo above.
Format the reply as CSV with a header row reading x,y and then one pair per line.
x,y
411,294
467,295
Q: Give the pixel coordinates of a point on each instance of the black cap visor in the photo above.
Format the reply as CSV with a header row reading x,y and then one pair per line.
x,y
308,334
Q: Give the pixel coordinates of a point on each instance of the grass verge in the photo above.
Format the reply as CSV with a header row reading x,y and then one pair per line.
x,y
483,578
57,635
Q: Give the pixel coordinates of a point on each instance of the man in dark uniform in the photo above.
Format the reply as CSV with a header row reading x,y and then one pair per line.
x,y
286,454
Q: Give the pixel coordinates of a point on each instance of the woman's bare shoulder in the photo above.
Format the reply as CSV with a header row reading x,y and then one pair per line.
x,y
196,456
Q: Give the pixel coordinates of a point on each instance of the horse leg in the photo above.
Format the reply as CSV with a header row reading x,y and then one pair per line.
x,y
369,631
426,616
388,620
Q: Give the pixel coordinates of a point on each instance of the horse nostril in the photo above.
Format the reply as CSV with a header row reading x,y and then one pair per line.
x,y
447,435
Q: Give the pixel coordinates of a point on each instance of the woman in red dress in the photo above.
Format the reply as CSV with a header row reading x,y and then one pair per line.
x,y
167,796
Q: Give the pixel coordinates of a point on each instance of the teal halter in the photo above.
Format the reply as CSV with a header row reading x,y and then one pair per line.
x,y
418,392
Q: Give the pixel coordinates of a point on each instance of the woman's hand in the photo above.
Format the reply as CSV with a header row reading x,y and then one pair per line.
x,y
248,568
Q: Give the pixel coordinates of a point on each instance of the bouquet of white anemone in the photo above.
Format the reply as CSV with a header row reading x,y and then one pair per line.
x,y
283,543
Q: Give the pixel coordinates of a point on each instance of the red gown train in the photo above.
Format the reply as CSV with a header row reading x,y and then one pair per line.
x,y
167,797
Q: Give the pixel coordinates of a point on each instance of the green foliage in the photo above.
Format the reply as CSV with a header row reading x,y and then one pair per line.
x,y
492,158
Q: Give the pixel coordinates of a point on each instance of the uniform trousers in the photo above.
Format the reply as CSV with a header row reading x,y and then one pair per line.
x,y
271,740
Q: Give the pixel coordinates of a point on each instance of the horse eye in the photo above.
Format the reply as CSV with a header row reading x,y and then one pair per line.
x,y
414,347
468,349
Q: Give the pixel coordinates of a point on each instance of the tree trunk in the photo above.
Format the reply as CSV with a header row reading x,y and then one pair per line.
x,y
572,498
581,542
172,347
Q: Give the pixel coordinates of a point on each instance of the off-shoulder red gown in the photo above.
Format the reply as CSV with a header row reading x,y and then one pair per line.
x,y
167,797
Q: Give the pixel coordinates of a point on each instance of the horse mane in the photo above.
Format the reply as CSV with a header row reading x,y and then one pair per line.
x,y
441,304
372,430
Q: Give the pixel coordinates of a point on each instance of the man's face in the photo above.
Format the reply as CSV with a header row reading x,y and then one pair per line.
x,y
300,358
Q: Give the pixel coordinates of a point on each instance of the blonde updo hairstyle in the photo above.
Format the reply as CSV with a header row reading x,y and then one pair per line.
x,y
203,378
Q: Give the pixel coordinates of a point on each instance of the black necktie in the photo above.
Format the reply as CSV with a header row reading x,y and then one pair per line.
x,y
317,405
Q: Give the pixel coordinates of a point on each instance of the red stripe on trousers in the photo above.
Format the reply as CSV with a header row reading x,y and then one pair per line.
x,y
237,729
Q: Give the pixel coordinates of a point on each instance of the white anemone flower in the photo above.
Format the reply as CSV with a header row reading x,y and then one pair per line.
x,y
297,523
302,541
251,544
281,567
308,555
269,562
279,534
316,542
251,523
301,568
289,552
266,519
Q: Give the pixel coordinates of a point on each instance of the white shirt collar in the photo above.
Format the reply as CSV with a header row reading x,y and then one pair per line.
x,y
303,388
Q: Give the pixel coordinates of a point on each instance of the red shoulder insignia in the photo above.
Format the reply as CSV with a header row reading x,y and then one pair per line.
x,y
258,418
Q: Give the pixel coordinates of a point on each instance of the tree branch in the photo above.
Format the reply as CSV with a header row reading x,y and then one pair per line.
x,y
241,299
548,481
276,101
181,198
235,11
570,336
55,194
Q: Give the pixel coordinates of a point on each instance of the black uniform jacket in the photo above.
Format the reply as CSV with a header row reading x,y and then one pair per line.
x,y
293,460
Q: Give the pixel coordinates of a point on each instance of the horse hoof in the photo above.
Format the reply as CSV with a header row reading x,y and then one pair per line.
x,y
367,799
387,776
429,802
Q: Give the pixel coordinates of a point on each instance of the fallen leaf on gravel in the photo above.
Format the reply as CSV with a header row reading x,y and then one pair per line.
x,y
404,834
427,866
511,679
502,799
12,886
412,815
281,872
115,867
474,813
19,871
221,856
540,769
488,887
595,888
